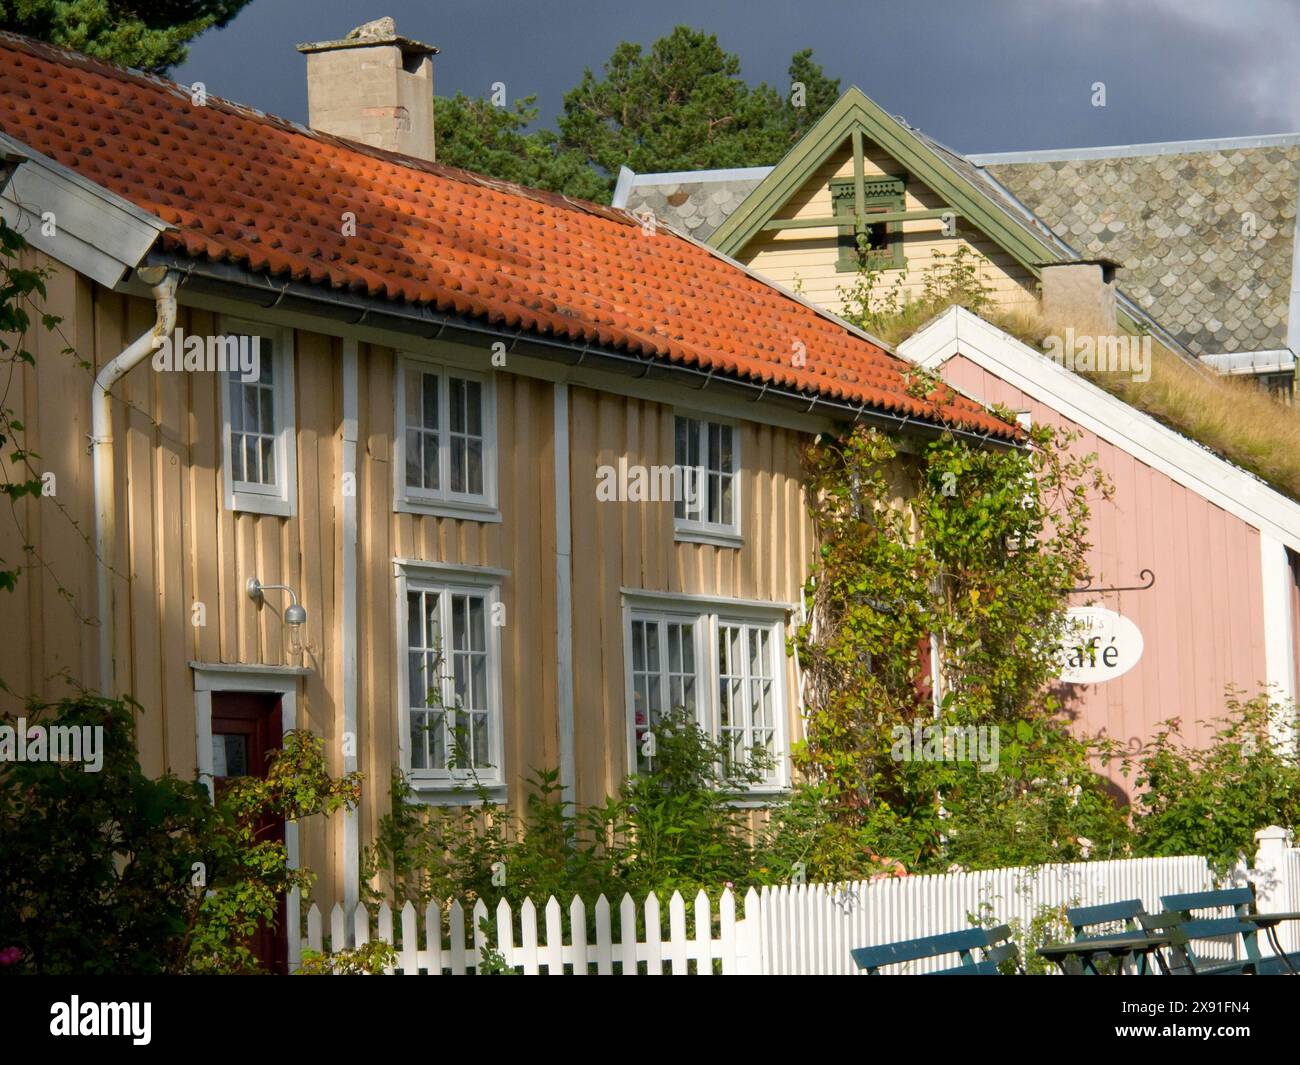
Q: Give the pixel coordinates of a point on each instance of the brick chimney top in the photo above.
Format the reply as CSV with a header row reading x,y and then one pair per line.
x,y
382,31
373,86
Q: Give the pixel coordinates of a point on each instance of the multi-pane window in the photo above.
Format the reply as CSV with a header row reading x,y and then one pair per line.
x,y
746,694
258,420
452,719
723,671
663,676
445,437
706,453
253,430
881,246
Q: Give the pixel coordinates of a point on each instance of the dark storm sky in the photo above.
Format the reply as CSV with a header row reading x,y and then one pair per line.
x,y
981,75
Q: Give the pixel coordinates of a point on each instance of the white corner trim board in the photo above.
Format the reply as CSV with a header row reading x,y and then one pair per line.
x,y
959,332
348,615
564,596
1278,635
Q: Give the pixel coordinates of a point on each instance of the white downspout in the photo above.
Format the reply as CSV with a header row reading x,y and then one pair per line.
x,y
101,445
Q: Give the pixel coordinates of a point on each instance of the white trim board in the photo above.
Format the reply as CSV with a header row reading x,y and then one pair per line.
x,y
959,332
1279,640
95,232
284,681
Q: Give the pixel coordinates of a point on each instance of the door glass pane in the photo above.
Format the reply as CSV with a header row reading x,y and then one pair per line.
x,y
229,755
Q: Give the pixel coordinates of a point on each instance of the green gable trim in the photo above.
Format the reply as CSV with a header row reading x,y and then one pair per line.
x,y
853,116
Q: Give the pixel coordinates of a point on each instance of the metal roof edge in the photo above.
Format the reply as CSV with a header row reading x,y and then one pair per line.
x,y
1121,151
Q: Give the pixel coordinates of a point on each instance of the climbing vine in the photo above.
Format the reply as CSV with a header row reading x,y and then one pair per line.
x,y
960,555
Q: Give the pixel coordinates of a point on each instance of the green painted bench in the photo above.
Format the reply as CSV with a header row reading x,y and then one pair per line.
x,y
1181,922
992,943
1085,918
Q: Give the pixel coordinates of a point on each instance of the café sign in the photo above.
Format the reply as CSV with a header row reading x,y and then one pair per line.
x,y
1099,645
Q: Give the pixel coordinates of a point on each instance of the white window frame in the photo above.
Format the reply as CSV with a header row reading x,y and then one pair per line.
x,y
452,785
443,501
706,532
708,614
281,498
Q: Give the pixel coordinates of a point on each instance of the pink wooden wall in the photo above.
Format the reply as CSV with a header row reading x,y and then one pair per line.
x,y
1203,621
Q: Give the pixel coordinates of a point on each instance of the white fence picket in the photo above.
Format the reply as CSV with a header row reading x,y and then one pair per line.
x,y
527,952
313,928
553,952
703,935
727,931
505,932
654,943
408,958
578,929
456,938
604,939
478,930
627,934
677,935
360,925
433,938
338,935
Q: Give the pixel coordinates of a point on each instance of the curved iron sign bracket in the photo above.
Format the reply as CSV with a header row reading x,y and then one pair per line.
x,y
1145,574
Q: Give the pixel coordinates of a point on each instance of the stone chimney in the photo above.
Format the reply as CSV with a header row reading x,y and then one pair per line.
x,y
1080,295
374,87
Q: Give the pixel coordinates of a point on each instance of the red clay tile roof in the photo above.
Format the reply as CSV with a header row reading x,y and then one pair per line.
x,y
242,187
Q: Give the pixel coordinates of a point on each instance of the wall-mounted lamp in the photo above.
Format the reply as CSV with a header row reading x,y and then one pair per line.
x,y
295,614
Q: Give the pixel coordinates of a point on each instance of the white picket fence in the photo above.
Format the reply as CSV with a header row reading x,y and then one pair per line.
x,y
791,929
440,943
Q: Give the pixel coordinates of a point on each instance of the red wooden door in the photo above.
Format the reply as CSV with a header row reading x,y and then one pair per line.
x,y
245,730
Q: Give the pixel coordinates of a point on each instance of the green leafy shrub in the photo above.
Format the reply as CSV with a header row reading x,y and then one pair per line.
x,y
1212,801
669,830
116,872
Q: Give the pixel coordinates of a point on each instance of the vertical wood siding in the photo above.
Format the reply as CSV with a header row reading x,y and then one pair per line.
x,y
633,545
1203,621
